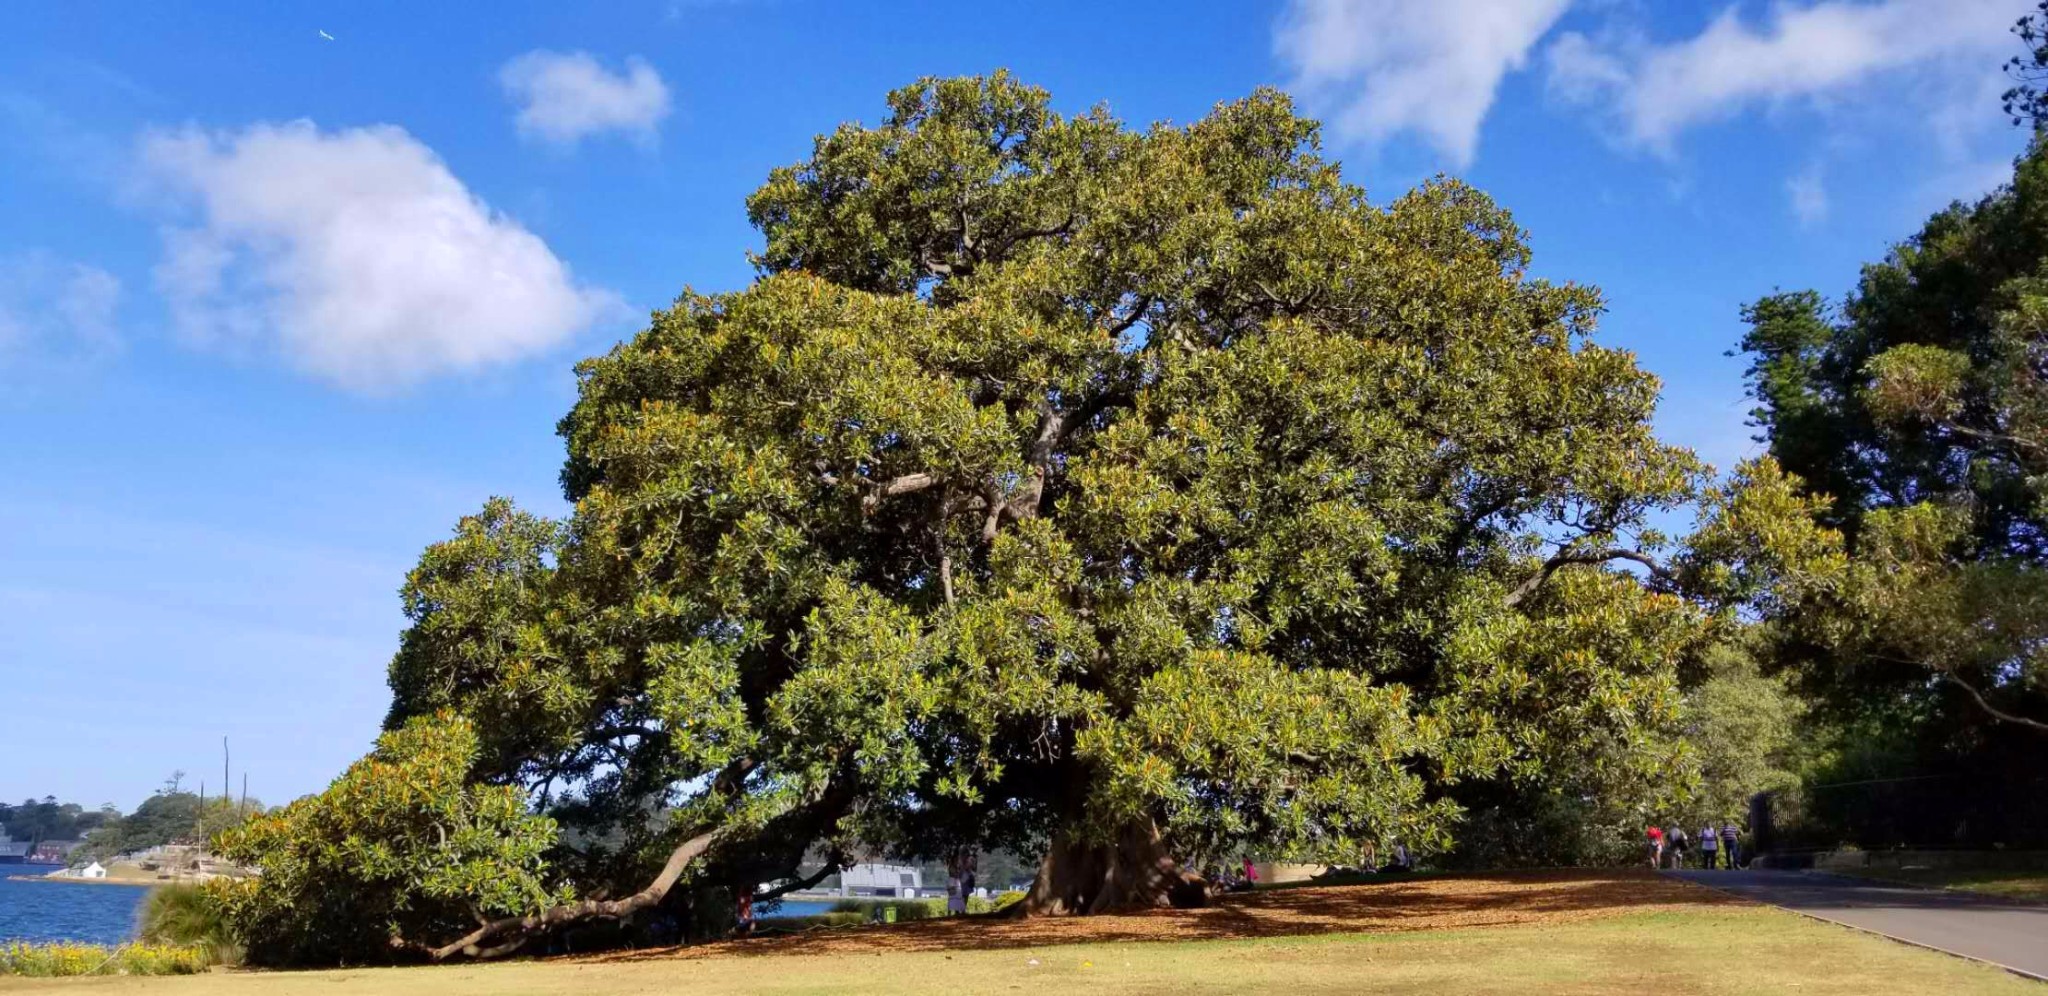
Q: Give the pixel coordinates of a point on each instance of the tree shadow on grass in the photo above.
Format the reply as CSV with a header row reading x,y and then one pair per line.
x,y
1431,903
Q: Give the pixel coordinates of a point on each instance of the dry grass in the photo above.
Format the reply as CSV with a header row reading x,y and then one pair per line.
x,y
1432,903
1561,933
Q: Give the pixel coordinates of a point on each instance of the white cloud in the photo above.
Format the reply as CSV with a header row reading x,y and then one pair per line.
x,y
355,254
1799,51
565,97
1378,68
55,309
1808,194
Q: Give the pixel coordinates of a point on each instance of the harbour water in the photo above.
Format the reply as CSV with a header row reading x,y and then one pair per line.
x,y
800,907
105,914
65,911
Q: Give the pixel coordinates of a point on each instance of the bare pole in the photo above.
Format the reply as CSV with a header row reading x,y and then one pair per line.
x,y
243,806
224,783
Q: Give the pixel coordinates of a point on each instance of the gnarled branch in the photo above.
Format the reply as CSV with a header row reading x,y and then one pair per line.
x,y
1991,710
513,932
832,867
1567,558
1137,314
508,934
907,484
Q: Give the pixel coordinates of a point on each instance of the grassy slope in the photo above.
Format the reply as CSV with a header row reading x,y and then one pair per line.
x,y
1735,949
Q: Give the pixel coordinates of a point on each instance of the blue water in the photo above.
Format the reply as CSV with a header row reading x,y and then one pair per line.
x,y
105,914
65,911
799,907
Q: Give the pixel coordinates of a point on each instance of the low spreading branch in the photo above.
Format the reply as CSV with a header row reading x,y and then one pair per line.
x,y
831,867
505,935
508,934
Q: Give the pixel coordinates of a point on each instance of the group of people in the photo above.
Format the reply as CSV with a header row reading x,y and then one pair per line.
x,y
1716,847
1243,879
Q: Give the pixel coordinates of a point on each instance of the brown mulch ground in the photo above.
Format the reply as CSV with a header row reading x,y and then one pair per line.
x,y
1431,903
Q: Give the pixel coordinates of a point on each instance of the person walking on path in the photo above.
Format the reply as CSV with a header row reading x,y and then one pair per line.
x,y
1656,847
1677,841
1708,847
1730,836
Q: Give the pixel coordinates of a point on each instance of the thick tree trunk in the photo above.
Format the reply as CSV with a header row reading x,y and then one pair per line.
x,y
1133,871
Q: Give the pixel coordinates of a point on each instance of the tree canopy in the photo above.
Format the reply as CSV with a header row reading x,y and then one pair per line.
x,y
1919,407
1133,495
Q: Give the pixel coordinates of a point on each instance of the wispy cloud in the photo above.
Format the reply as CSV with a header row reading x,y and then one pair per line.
x,y
565,97
55,310
1808,194
1798,52
1381,68
355,254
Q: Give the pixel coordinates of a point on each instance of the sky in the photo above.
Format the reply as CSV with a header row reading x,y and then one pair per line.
x,y
287,289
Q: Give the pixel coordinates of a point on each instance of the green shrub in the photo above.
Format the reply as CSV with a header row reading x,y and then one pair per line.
x,y
186,916
906,909
57,959
402,844
926,909
996,903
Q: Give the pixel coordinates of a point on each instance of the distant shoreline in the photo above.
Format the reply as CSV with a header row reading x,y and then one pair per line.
x,y
75,880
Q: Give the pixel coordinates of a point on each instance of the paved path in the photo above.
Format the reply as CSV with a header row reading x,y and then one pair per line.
x,y
2014,935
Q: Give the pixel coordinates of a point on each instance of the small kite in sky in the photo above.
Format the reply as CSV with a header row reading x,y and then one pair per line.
x,y
325,35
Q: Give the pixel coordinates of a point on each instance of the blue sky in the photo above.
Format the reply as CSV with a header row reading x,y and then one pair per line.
x,y
284,292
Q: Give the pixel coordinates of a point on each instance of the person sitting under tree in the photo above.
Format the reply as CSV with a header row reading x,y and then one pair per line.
x,y
745,914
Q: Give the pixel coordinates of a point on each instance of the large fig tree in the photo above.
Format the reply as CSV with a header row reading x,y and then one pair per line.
x,y
1133,495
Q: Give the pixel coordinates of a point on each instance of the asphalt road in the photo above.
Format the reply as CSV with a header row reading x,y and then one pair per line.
x,y
2014,935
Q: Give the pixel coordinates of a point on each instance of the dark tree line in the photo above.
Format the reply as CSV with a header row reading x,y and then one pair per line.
x,y
48,819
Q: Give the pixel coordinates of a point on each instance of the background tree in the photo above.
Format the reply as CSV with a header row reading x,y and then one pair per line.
x,y
48,819
1113,495
1919,407
1744,729
170,816
2026,101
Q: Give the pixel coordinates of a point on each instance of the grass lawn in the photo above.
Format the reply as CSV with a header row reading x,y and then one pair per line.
x,y
2029,884
1584,934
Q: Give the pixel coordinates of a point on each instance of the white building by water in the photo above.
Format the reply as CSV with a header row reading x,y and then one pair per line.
x,y
880,880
